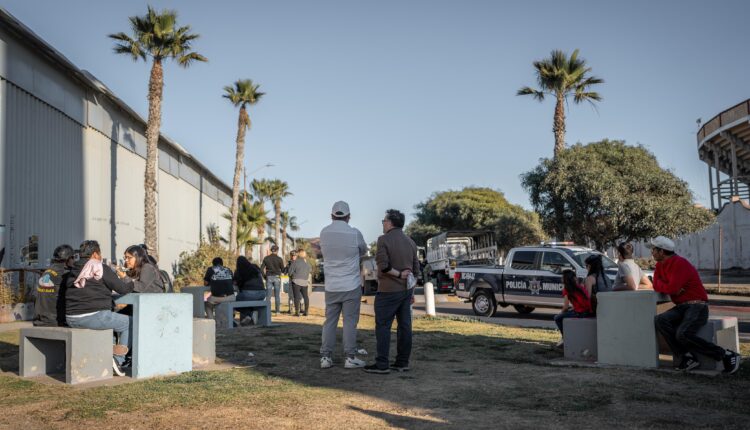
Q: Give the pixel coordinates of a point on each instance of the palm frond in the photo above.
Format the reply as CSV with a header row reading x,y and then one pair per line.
x,y
528,91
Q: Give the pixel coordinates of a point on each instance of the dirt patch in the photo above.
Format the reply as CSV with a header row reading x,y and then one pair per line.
x,y
466,374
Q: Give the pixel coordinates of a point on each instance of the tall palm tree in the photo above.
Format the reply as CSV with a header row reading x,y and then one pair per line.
x,y
262,190
157,36
279,191
287,223
562,77
243,93
251,218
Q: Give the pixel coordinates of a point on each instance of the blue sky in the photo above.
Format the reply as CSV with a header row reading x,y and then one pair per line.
x,y
383,103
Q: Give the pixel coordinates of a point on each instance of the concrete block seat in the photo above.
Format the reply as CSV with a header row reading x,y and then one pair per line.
x,y
199,304
579,337
722,331
225,312
625,330
84,355
204,342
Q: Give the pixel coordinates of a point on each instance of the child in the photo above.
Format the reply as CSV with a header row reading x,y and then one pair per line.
x,y
576,296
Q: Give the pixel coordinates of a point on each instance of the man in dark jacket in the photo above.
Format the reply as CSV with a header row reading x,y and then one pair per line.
x,y
49,308
397,260
90,306
272,267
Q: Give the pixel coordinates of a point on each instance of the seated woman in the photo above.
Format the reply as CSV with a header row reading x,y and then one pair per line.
x,y
629,277
142,272
249,281
577,296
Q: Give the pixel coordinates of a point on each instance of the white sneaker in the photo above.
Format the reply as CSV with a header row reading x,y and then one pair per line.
x,y
361,351
326,362
116,368
353,363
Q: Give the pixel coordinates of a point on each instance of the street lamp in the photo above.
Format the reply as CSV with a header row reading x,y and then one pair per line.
x,y
245,174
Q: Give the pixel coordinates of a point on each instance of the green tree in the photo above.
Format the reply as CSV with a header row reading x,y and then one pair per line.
x,y
610,191
250,216
243,93
561,77
288,223
157,36
279,191
475,208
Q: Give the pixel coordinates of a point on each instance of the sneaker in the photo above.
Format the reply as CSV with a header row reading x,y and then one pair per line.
x,y
731,362
353,363
400,367
246,321
361,351
688,363
326,362
560,345
116,368
373,368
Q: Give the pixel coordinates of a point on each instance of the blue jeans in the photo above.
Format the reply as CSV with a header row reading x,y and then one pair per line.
x,y
103,320
273,286
570,313
387,307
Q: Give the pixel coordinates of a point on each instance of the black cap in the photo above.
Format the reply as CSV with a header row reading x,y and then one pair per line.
x,y
63,253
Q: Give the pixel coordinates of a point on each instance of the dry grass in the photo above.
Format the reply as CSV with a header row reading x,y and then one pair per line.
x,y
465,374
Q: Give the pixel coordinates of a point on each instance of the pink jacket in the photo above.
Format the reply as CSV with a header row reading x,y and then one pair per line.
x,y
92,269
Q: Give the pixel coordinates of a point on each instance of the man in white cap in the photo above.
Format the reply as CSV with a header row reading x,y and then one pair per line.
x,y
674,275
342,247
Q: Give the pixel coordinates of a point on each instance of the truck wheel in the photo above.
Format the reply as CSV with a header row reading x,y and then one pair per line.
x,y
523,309
483,304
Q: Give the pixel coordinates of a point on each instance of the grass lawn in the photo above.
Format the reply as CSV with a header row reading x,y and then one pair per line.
x,y
465,374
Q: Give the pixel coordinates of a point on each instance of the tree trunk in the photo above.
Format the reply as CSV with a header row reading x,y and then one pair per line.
x,y
238,161
277,221
155,87
558,126
283,244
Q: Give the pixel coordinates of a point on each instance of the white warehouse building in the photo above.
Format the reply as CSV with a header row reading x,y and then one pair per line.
x,y
72,162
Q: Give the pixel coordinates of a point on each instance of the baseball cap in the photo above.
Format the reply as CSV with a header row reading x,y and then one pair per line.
x,y
62,253
274,248
340,209
661,242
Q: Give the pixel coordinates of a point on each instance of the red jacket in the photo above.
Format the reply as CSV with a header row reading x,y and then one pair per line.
x,y
678,278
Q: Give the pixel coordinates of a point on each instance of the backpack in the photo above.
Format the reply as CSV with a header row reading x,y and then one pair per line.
x,y
167,281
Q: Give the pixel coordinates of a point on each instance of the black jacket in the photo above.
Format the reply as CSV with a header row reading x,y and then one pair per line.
x,y
47,302
149,281
96,295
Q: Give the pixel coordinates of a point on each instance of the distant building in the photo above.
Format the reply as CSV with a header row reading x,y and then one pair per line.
x,y
72,162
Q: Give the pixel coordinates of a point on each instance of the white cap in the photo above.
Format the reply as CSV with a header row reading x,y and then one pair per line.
x,y
340,209
662,242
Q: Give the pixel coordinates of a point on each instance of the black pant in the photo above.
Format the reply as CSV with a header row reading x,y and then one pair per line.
x,y
300,291
388,306
680,326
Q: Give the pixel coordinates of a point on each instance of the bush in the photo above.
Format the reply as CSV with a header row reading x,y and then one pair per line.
x,y
192,265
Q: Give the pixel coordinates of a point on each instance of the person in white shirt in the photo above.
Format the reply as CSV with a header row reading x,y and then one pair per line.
x,y
342,247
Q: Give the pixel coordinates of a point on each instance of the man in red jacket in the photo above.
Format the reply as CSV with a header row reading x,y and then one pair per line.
x,y
675,276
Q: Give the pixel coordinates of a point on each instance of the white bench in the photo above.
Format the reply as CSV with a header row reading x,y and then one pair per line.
x,y
204,342
225,312
579,338
84,355
722,331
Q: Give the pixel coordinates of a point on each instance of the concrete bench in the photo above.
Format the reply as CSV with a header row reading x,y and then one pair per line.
x,y
625,331
84,355
204,342
199,303
722,331
579,338
225,312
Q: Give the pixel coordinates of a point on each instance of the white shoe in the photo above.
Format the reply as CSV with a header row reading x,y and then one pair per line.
x,y
326,362
361,351
353,363
116,368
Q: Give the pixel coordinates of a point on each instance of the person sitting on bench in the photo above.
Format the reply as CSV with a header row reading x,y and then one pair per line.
x,y
576,297
674,275
49,307
88,299
219,278
249,281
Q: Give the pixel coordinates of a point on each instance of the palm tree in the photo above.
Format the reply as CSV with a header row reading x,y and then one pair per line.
x,y
561,77
157,36
243,92
287,223
279,191
251,218
262,190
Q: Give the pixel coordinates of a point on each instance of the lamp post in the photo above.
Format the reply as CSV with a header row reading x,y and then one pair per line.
x,y
245,174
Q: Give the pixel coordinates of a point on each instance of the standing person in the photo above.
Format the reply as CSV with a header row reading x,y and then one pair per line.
x,y
144,274
288,285
299,273
342,247
49,308
88,299
272,267
397,260
219,278
630,276
675,276
249,282
576,297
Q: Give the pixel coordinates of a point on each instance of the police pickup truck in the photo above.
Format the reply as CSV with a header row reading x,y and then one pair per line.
x,y
531,278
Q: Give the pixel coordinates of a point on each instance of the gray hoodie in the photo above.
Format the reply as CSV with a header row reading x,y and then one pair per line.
x,y
299,272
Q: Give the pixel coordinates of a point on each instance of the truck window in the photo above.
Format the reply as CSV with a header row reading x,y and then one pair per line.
x,y
555,262
523,260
